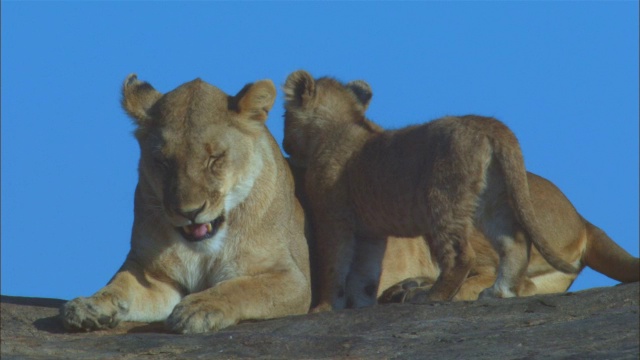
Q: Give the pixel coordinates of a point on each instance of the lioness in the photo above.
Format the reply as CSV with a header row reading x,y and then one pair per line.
x,y
218,235
408,263
438,180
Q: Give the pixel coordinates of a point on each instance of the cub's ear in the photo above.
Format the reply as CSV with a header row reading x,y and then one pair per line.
x,y
299,87
361,90
137,98
255,100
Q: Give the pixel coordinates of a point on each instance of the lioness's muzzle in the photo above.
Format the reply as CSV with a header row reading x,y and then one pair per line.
x,y
199,232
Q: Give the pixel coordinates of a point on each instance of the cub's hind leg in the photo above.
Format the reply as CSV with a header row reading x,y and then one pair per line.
x,y
455,256
449,225
513,249
452,187
451,193
496,219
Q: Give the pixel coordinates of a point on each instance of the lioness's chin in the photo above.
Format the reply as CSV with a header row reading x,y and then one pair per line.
x,y
200,232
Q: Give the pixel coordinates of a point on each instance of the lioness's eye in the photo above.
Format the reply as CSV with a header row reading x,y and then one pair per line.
x,y
215,160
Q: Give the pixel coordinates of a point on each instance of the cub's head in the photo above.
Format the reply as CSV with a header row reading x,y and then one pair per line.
x,y
199,155
313,106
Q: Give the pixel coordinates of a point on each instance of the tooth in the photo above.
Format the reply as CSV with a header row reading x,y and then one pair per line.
x,y
209,227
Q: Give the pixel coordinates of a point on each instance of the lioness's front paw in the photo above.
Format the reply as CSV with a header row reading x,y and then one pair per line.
x,y
398,293
195,314
90,314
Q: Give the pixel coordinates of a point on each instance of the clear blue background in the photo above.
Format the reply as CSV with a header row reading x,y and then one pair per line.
x,y
562,75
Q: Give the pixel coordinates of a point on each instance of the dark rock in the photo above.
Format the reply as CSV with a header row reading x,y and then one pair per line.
x,y
599,323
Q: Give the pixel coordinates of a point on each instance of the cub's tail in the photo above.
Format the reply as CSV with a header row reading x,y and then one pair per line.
x,y
607,257
509,155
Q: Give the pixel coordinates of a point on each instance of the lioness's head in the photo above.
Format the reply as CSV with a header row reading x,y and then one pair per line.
x,y
197,148
312,105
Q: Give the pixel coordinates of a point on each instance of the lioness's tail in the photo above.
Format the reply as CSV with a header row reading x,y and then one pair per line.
x,y
507,150
607,257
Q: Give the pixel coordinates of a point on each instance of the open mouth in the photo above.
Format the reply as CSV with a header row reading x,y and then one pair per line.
x,y
199,232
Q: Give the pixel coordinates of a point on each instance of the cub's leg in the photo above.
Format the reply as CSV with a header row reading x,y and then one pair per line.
x,y
364,277
335,245
455,257
496,219
455,260
132,295
450,208
450,198
513,249
261,296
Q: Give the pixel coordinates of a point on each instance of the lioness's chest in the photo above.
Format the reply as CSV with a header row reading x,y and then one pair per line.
x,y
198,270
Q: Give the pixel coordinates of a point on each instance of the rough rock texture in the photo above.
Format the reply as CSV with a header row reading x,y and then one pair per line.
x,y
599,323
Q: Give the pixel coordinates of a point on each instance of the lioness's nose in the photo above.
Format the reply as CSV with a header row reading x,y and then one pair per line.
x,y
191,214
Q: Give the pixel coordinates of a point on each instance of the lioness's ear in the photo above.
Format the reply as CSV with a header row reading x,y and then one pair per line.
x,y
299,87
362,91
255,100
137,98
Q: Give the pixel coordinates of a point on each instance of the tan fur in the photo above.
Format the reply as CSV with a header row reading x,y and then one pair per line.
x,y
438,180
404,258
408,263
206,158
577,239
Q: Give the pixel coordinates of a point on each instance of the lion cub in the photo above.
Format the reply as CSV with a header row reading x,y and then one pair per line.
x,y
218,236
438,180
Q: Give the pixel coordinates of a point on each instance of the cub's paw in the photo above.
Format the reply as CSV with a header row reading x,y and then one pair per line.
x,y
496,293
323,307
405,290
86,314
198,314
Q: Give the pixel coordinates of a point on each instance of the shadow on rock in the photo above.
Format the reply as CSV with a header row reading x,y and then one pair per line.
x,y
39,302
51,324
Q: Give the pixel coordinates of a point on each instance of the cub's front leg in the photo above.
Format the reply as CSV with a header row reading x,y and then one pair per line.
x,y
365,270
335,247
263,296
132,295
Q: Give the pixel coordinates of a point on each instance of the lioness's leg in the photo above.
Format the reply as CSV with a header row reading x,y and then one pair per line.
x,y
262,296
132,295
469,290
549,283
473,286
364,277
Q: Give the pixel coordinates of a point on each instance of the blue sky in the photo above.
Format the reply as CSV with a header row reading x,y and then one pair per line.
x,y
562,75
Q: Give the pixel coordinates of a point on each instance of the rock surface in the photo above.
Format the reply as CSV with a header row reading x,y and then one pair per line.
x,y
598,323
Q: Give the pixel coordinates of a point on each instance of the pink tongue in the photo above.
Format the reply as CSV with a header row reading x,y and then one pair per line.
x,y
199,230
